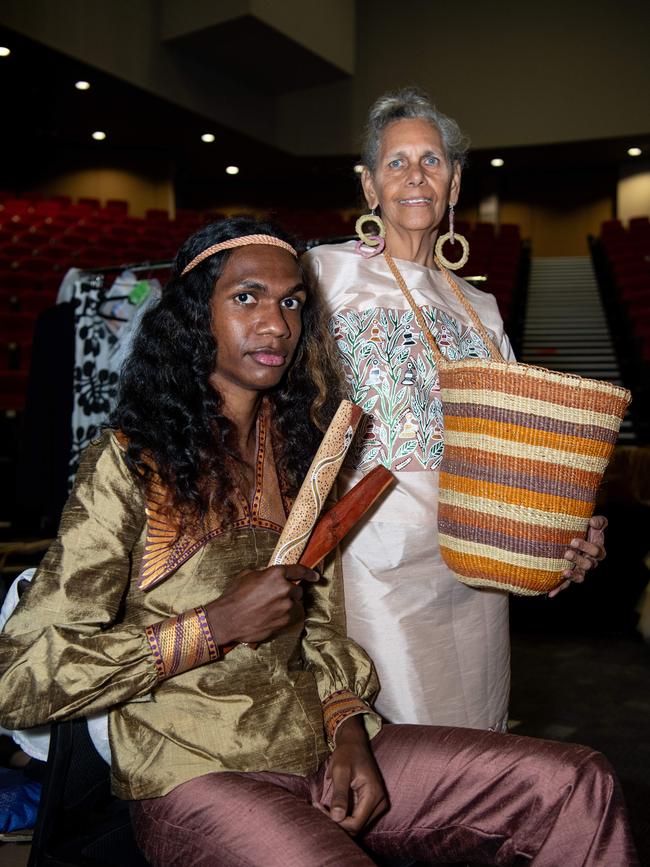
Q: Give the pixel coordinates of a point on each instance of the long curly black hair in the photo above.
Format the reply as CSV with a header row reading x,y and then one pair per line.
x,y
172,415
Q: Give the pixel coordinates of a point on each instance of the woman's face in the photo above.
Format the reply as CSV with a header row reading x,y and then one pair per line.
x,y
256,318
413,182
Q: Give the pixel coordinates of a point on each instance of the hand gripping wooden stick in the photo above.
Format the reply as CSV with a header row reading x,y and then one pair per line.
x,y
333,526
316,486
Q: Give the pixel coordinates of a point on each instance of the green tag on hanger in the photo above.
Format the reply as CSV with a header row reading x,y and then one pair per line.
x,y
140,292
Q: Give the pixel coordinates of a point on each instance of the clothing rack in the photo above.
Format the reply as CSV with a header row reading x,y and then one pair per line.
x,y
318,242
100,299
140,266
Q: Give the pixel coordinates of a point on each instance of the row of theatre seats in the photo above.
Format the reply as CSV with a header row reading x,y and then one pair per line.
x,y
41,238
622,259
627,258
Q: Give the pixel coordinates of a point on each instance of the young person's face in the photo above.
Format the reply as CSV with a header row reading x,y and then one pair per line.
x,y
256,318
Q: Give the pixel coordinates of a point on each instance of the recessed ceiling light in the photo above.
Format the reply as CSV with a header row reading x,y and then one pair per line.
x,y
358,168
207,137
82,85
98,135
4,52
497,162
634,152
232,170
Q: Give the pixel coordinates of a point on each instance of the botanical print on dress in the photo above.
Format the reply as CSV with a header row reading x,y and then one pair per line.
x,y
394,379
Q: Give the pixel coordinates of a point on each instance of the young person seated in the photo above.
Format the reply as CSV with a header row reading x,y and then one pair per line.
x,y
267,755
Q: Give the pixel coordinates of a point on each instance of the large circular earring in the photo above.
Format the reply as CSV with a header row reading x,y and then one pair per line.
x,y
452,236
464,243
370,245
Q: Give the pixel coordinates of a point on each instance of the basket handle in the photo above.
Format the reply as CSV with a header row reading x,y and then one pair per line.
x,y
495,353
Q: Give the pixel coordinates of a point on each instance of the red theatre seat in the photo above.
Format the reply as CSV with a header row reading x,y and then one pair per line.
x,y
13,388
93,204
47,208
157,215
117,206
17,326
15,280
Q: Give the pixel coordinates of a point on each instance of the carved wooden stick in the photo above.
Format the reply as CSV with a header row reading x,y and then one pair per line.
x,y
342,517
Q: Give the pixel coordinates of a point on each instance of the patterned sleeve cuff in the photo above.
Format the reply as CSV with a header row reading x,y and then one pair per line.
x,y
182,642
337,707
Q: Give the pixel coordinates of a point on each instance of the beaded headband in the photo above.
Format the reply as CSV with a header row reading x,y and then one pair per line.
x,y
244,241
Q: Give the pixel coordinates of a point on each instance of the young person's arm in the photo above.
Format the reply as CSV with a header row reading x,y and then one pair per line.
x,y
61,652
347,685
345,676
66,651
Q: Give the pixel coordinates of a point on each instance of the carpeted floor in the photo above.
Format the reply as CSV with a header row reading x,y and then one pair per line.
x,y
594,691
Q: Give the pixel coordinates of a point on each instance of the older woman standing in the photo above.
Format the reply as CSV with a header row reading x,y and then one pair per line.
x,y
441,648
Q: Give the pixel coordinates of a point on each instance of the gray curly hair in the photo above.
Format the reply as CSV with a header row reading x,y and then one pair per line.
x,y
407,103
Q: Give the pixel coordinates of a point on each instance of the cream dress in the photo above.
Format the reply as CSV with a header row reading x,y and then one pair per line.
x,y
441,648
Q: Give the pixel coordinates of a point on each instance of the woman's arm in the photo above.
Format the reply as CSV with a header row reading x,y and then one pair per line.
x,y
347,684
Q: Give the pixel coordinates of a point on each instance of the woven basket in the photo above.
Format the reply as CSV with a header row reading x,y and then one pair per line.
x,y
525,452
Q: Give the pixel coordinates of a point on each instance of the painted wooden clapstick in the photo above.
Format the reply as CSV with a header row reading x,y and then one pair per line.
x,y
317,485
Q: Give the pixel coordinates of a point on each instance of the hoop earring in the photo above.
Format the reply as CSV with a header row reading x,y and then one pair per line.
x,y
370,245
452,237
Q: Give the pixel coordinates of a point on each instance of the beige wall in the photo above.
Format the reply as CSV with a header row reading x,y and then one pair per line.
x,y
633,196
179,19
554,231
122,37
512,73
326,27
140,192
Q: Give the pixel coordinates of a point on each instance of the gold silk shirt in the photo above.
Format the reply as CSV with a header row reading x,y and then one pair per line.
x,y
76,644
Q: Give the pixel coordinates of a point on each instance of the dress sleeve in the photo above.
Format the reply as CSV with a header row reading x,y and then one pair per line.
x,y
345,676
495,322
506,348
64,651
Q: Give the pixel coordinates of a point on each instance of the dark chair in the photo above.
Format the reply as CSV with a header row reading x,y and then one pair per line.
x,y
79,821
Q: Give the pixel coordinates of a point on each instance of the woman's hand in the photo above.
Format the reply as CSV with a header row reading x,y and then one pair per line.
x,y
584,554
358,793
259,604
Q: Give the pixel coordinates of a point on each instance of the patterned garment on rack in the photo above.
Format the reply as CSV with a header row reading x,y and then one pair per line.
x,y
105,324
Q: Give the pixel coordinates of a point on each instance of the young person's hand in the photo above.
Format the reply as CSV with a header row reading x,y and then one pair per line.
x,y
584,554
358,792
259,604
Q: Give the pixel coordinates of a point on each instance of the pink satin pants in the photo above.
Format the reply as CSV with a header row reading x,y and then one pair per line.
x,y
455,795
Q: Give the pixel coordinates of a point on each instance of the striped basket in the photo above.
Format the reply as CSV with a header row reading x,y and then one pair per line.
x,y
525,452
